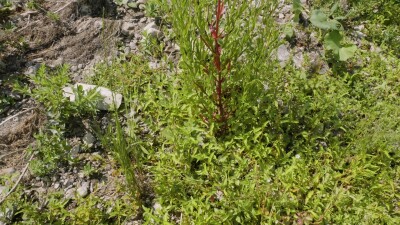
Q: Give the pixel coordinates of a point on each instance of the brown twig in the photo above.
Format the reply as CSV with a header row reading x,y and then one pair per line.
x,y
13,116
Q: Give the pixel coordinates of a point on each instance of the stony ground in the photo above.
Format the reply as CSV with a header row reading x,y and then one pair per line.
x,y
81,36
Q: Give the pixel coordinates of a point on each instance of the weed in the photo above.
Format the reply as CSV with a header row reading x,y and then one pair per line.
x,y
334,30
52,145
219,46
53,16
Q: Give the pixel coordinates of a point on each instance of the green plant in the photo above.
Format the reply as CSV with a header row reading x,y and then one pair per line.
x,y
5,11
89,171
333,38
152,46
53,16
224,47
380,20
152,8
52,146
297,9
32,4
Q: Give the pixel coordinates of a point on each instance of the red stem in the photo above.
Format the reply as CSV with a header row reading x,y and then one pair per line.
x,y
217,62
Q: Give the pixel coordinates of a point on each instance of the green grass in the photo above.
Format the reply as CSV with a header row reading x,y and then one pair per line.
x,y
298,148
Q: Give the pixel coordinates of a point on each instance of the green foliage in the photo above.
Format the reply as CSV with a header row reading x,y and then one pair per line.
x,y
151,46
333,38
299,148
332,42
52,147
297,9
224,51
382,22
298,151
53,209
53,16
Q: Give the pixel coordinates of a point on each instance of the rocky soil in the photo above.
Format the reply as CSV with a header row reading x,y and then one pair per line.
x,y
81,36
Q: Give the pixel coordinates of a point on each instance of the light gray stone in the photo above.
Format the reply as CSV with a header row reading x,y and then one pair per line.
x,y
108,99
127,28
152,30
83,190
56,63
298,59
89,139
74,68
7,171
283,54
69,193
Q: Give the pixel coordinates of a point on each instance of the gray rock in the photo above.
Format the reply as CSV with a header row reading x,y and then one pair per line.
x,y
7,171
89,139
108,99
74,69
283,54
32,69
56,63
83,190
152,30
128,28
154,65
75,151
56,185
143,20
157,206
67,182
69,193
3,190
127,50
359,28
298,59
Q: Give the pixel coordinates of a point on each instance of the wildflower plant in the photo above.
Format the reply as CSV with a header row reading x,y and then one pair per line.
x,y
226,48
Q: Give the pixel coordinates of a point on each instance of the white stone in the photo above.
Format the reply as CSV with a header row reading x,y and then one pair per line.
x,y
298,59
108,100
152,30
283,54
69,194
83,190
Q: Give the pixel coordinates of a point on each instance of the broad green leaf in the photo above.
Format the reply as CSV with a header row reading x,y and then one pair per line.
x,y
321,20
347,52
332,41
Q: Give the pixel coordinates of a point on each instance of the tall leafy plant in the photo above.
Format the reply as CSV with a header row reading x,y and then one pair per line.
x,y
226,48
